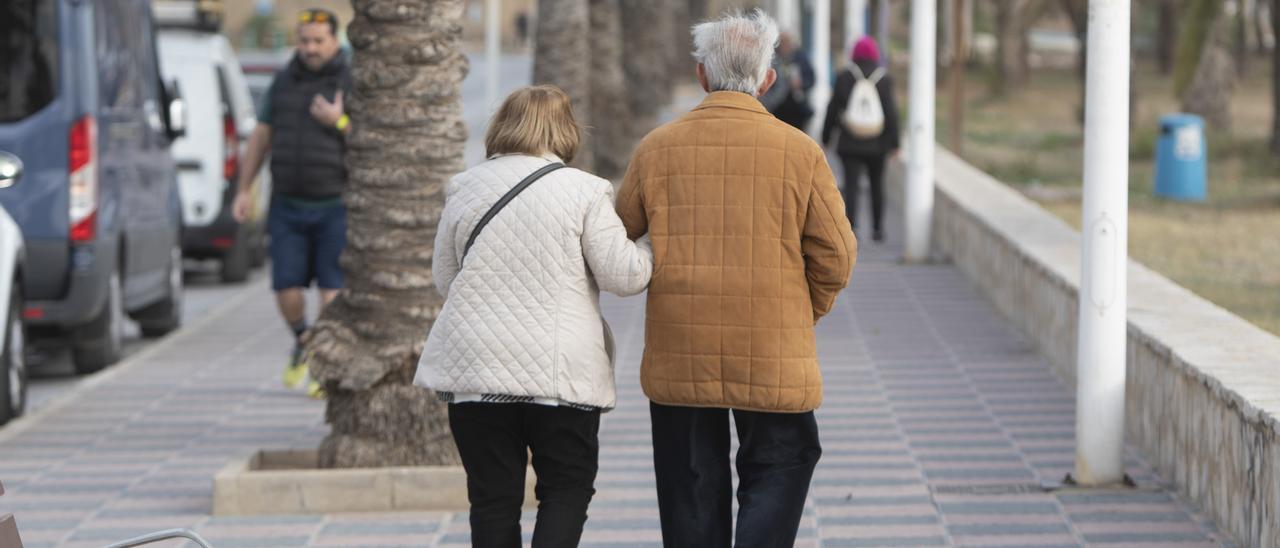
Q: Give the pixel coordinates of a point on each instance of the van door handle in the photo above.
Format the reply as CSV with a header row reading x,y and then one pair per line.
x,y
10,170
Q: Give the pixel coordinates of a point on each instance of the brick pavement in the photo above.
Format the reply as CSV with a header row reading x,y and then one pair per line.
x,y
939,426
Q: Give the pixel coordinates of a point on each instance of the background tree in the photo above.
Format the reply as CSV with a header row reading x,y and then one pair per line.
x,y
1275,81
1013,21
1077,11
646,39
1208,94
681,62
1197,21
1166,34
613,134
407,139
562,57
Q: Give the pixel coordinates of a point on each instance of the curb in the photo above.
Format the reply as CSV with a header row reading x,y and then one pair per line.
x,y
20,425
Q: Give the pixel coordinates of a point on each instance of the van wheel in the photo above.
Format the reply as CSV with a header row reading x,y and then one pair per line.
x,y
13,362
101,342
164,316
236,261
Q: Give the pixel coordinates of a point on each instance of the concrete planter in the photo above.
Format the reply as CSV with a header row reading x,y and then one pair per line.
x,y
290,482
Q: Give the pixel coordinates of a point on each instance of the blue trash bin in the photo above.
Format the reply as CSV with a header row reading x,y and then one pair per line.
x,y
1181,158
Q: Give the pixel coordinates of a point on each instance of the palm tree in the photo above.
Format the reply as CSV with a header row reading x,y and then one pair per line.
x,y
646,37
562,57
407,139
613,134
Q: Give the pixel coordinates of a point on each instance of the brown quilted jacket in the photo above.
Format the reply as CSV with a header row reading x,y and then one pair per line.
x,y
751,246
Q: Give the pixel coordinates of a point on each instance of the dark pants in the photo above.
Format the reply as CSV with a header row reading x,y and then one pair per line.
x,y
494,440
854,165
776,457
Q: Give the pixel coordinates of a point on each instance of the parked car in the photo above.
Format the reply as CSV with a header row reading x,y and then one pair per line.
x,y
83,105
221,118
13,339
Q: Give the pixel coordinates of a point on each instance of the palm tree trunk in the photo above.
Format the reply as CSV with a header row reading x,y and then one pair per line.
x,y
646,39
562,58
407,139
613,135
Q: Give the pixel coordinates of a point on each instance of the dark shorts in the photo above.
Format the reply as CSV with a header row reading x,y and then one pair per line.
x,y
306,241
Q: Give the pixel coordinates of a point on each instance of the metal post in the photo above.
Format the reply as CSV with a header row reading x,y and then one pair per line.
x,y
919,191
855,20
493,50
821,59
1100,420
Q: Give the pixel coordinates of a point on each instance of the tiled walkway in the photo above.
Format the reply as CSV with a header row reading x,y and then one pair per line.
x,y
939,427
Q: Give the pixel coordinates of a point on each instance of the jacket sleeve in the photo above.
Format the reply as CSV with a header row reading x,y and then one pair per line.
x,y
620,266
630,205
444,258
827,241
893,139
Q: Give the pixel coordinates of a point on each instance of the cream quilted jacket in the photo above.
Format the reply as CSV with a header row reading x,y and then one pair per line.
x,y
751,247
522,318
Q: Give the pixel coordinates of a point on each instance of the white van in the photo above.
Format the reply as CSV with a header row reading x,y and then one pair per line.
x,y
220,118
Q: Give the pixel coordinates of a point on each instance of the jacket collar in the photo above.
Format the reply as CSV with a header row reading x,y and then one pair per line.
x,y
731,99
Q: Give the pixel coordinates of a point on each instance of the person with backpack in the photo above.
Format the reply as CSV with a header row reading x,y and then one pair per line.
x,y
863,119
520,351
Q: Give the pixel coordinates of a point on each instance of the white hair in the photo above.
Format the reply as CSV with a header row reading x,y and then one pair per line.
x,y
736,50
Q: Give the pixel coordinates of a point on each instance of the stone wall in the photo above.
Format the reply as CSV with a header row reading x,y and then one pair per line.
x,y
1203,392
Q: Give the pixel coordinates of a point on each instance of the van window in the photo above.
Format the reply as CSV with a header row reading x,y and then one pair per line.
x,y
28,57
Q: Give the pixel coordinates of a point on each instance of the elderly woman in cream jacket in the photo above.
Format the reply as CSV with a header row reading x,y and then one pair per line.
x,y
520,350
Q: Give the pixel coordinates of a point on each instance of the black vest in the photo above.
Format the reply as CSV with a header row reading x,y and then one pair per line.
x,y
308,160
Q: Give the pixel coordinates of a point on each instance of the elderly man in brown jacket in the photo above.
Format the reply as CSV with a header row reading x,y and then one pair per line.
x,y
751,246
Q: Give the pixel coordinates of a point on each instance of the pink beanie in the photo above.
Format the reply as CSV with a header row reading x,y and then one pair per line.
x,y
866,50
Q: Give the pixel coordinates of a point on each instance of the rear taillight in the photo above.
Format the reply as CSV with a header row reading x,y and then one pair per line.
x,y
231,156
83,167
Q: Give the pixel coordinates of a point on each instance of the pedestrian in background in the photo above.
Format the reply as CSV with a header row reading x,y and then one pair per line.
x,y
862,119
303,126
788,98
520,350
751,247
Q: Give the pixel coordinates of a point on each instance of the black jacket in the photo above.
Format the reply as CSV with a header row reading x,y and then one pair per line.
x,y
308,160
848,144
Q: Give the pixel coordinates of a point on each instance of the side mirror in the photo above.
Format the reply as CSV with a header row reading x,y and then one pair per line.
x,y
10,170
175,111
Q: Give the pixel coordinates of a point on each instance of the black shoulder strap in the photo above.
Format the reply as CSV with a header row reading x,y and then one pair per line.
x,y
503,201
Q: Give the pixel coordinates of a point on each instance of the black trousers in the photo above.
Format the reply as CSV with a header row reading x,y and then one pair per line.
x,y
776,457
494,440
854,165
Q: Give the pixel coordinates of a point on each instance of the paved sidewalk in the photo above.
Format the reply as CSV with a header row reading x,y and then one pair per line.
x,y
939,426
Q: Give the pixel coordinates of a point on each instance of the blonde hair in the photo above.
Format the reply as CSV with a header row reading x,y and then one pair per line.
x,y
534,120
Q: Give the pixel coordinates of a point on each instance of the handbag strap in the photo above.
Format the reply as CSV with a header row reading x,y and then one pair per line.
x,y
503,201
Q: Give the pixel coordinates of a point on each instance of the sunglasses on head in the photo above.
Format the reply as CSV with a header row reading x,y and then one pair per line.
x,y
316,16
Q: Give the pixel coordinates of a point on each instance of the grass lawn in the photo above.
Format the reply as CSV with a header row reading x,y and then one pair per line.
x,y
1226,250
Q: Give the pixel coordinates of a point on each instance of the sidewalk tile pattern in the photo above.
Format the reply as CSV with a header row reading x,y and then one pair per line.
x,y
940,427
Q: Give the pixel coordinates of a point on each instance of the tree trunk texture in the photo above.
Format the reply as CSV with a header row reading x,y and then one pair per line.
x,y
1013,19
681,66
613,134
1240,38
407,139
1275,81
1209,93
1197,23
1166,35
562,58
646,39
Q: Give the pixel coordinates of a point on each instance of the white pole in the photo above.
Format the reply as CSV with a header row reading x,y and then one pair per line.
x,y
786,15
919,191
1100,420
493,50
855,20
821,59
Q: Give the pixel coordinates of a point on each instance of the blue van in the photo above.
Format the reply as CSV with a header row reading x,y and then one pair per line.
x,y
84,108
